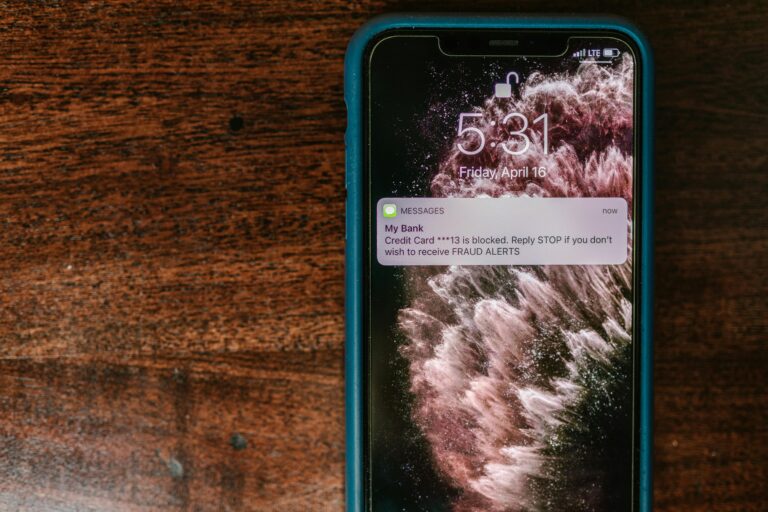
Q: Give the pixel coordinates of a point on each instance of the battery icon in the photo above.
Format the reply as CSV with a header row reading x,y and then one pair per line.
x,y
611,52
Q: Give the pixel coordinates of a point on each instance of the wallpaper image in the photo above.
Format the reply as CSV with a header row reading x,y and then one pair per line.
x,y
519,379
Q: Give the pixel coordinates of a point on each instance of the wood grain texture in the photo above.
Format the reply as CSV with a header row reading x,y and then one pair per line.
x,y
171,252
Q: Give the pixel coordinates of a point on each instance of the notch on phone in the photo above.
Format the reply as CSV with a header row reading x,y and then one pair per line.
x,y
492,42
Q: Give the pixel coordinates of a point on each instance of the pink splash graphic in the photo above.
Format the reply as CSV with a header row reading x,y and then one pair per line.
x,y
476,335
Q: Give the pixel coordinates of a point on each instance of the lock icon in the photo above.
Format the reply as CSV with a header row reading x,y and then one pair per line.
x,y
504,90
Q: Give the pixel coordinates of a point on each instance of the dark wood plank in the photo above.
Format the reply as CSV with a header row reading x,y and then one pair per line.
x,y
188,433
171,252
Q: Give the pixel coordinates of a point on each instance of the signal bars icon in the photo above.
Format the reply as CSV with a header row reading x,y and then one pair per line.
x,y
580,54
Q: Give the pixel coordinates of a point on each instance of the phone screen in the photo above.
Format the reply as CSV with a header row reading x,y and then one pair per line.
x,y
500,367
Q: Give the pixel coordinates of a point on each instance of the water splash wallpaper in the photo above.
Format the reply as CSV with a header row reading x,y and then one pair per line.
x,y
517,381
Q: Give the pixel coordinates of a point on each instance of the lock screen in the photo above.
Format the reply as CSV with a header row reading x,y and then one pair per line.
x,y
507,386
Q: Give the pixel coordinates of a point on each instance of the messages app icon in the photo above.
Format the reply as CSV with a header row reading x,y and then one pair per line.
x,y
389,210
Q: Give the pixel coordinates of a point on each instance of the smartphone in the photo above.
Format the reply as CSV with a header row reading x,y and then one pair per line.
x,y
499,245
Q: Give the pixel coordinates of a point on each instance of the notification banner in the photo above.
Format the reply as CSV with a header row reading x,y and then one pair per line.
x,y
502,231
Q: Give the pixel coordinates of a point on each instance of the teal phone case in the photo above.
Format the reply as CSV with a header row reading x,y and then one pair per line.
x,y
353,96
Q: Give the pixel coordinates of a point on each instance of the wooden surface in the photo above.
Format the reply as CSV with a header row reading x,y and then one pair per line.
x,y
171,252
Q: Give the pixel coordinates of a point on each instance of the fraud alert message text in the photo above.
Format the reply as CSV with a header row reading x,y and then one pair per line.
x,y
502,231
